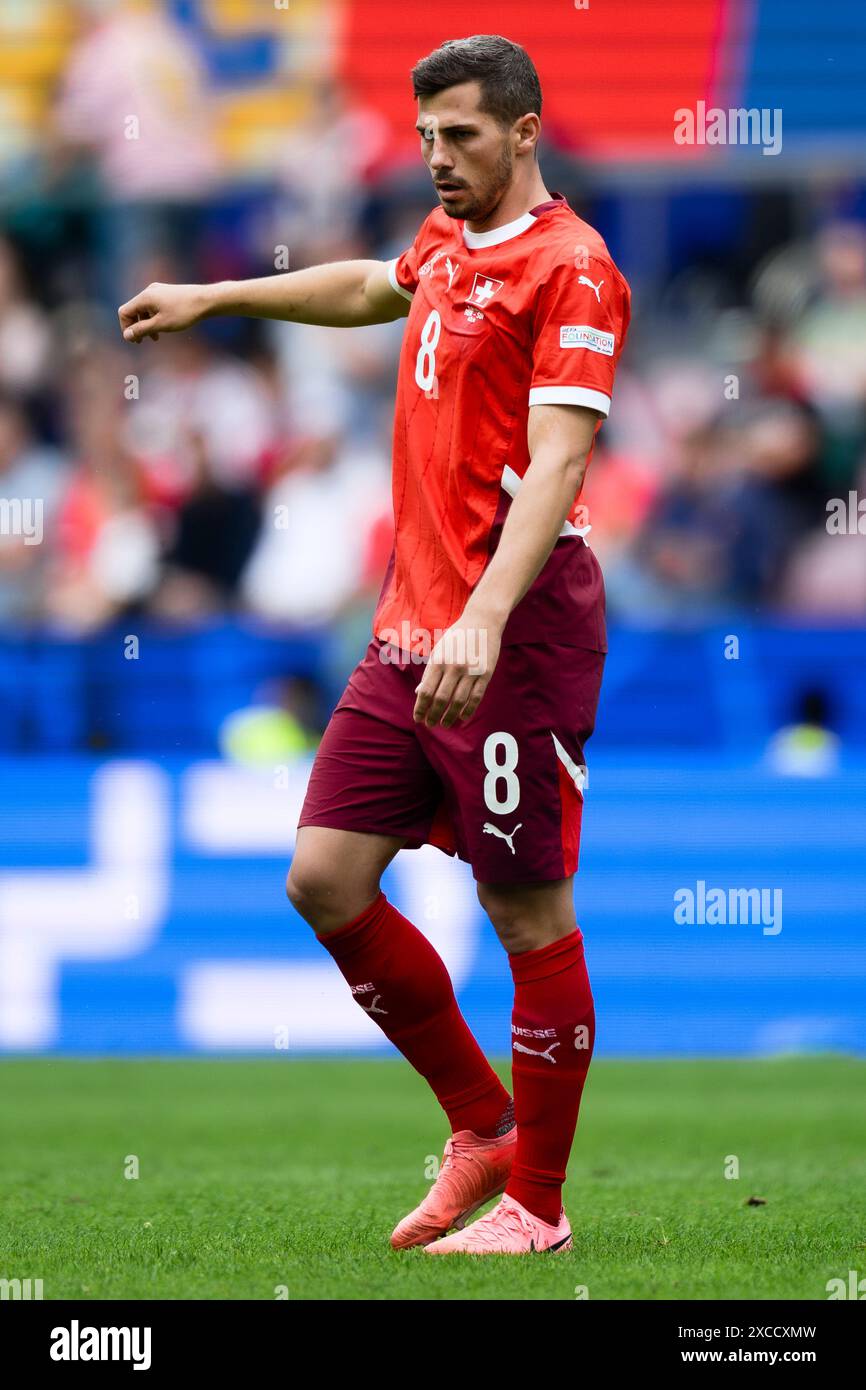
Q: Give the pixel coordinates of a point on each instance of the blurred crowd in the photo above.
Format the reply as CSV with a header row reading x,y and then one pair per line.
x,y
722,462
244,467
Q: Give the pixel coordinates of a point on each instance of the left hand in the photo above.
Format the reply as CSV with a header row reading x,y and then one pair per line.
x,y
458,672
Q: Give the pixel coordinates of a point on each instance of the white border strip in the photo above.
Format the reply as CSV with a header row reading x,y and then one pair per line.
x,y
476,240
510,483
577,774
570,395
393,281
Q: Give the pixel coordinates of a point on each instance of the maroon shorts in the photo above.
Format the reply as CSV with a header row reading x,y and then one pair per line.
x,y
504,790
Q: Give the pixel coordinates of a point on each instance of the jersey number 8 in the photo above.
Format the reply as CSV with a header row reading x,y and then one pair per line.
x,y
425,362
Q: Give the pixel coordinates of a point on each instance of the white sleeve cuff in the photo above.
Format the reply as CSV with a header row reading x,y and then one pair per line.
x,y
392,280
570,395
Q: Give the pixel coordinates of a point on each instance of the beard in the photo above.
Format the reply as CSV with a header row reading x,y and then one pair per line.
x,y
477,204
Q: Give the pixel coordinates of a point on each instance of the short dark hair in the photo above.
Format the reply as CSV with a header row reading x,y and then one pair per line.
x,y
509,82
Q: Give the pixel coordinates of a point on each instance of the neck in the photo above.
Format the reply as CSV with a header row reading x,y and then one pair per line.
x,y
517,199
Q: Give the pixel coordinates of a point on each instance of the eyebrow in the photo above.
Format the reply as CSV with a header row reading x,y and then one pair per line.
x,y
458,125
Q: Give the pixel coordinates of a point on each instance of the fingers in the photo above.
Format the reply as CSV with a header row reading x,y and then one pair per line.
x,y
144,328
434,694
137,329
479,686
129,312
446,695
462,692
139,317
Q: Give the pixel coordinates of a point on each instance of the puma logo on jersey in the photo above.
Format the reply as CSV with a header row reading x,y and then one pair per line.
x,y
429,266
537,1052
488,829
585,280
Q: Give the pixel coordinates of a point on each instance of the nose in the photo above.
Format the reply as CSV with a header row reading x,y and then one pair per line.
x,y
439,159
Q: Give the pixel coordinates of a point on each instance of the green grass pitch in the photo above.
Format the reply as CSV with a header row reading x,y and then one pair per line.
x,y
261,1174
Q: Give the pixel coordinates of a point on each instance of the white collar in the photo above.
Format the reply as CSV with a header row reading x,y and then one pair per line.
x,y
477,240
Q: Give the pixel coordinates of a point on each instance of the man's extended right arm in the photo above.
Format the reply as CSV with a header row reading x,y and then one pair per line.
x,y
341,294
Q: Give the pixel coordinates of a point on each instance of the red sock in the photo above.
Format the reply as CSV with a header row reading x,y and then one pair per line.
x,y
553,1032
402,983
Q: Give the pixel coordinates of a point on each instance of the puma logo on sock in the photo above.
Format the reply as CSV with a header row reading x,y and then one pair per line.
x,y
536,1052
367,989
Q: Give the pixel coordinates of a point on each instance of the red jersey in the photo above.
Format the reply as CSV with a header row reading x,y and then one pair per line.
x,y
531,313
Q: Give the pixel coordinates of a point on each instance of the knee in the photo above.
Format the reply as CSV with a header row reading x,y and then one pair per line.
x,y
326,898
312,890
526,920
511,923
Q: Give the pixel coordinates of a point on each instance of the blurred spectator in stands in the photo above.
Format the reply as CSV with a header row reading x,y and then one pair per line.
x,y
107,555
780,442
351,627
134,99
187,388
830,344
31,482
284,722
333,379
213,535
826,577
24,333
724,524
619,491
831,335
317,513
325,162
807,747
773,369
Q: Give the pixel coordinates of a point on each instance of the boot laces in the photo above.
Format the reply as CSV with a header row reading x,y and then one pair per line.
x,y
505,1218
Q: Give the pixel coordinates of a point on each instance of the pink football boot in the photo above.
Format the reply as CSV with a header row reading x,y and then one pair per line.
x,y
473,1170
509,1229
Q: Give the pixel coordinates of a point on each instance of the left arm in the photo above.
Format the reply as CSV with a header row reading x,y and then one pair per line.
x,y
559,438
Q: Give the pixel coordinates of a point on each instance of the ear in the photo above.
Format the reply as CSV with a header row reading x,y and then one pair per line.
x,y
527,129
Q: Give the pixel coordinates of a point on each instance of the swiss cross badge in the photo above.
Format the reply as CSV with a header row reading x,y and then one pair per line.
x,y
483,290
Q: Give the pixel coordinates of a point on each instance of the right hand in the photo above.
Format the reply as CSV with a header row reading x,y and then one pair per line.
x,y
162,309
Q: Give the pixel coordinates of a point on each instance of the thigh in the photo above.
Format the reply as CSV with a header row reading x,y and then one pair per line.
x,y
515,773
370,775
